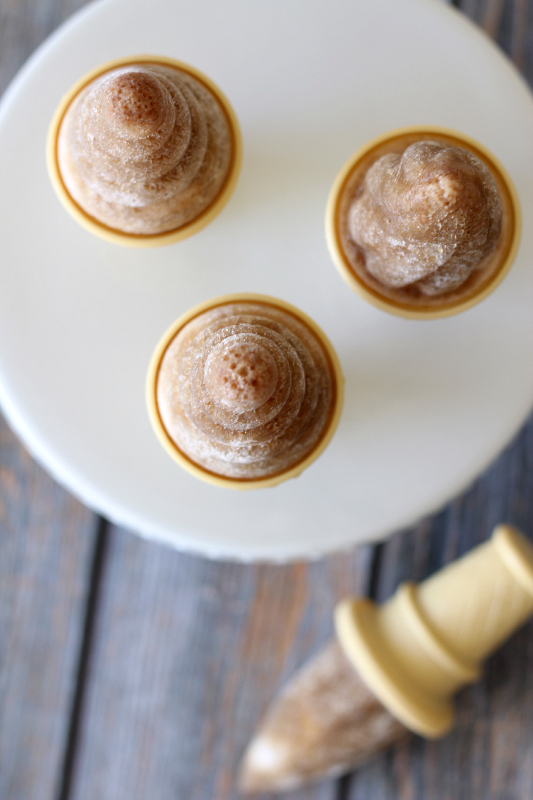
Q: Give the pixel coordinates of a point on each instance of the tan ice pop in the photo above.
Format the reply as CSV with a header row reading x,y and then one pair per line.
x,y
144,151
394,668
423,222
244,391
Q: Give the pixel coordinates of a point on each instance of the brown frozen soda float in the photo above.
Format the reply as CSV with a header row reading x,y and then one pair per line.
x,y
423,223
244,391
144,152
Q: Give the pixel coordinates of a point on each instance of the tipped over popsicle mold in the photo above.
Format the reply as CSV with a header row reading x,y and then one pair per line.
x,y
423,222
144,151
416,650
244,391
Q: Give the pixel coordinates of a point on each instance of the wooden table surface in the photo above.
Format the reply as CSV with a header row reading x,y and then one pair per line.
x,y
129,671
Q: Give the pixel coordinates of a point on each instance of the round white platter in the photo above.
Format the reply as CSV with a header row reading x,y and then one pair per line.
x,y
428,404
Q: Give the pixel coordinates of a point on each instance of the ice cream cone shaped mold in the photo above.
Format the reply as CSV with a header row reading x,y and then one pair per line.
x,y
417,649
244,391
423,222
144,151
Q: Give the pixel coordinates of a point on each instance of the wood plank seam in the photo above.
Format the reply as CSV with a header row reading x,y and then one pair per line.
x,y
76,712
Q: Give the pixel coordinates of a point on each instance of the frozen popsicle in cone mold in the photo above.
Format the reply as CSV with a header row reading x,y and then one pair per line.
x,y
144,150
244,391
324,723
394,668
423,222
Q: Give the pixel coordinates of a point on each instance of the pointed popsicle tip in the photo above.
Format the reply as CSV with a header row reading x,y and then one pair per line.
x,y
266,767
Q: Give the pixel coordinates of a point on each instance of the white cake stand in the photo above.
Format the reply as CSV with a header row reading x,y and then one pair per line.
x,y
428,405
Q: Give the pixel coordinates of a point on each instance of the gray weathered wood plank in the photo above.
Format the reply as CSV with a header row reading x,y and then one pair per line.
x,y
24,24
46,541
189,653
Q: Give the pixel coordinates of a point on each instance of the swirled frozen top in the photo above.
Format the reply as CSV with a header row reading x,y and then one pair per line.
x,y
246,390
145,149
421,223
429,217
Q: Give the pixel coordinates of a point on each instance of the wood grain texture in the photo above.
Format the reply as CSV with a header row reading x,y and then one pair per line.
x,y
46,539
24,24
189,654
509,23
